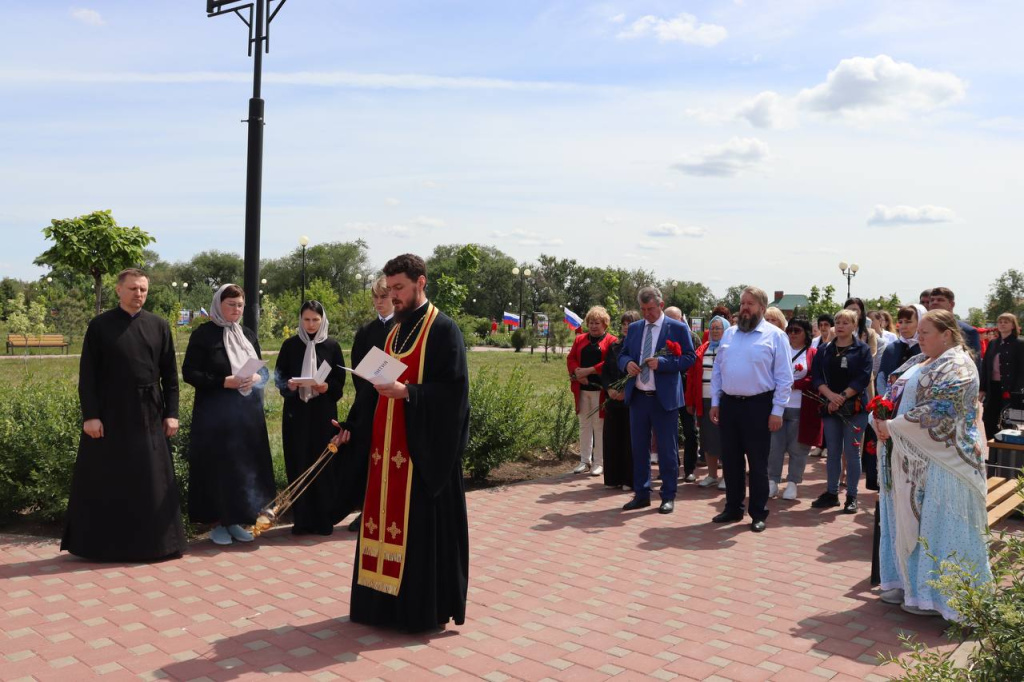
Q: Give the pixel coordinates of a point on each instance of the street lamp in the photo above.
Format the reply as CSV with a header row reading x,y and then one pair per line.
x,y
260,15
263,283
522,274
849,271
303,242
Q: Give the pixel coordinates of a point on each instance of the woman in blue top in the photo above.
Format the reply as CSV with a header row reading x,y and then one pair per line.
x,y
842,372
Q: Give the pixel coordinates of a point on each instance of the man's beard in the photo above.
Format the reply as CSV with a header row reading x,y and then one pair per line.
x,y
408,308
748,323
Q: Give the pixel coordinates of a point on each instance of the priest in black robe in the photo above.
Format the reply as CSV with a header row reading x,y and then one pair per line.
x,y
124,503
306,420
352,483
412,558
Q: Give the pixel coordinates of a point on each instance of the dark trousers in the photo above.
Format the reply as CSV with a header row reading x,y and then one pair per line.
x,y
689,441
647,416
618,449
743,425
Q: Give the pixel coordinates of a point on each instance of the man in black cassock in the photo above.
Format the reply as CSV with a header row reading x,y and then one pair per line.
x,y
412,558
124,501
352,483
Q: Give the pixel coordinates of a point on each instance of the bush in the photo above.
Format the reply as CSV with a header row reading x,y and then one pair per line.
x,y
993,617
39,430
501,427
563,427
498,341
519,339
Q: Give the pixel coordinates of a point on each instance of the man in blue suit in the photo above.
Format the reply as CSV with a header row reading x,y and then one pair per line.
x,y
654,395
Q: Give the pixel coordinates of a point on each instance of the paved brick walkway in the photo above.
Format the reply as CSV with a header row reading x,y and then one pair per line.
x,y
563,586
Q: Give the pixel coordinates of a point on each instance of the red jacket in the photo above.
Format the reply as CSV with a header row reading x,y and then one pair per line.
x,y
694,396
573,362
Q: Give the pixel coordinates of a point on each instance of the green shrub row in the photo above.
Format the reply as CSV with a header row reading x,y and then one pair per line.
x,y
40,426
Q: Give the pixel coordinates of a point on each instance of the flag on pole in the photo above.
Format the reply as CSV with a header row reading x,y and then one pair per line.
x,y
511,319
572,320
202,311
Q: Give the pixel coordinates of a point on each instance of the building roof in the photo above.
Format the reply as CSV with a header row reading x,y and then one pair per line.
x,y
791,302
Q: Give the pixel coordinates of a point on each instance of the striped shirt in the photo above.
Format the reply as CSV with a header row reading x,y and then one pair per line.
x,y
708,366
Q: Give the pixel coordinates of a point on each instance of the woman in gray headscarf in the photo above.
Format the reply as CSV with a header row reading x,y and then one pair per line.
x,y
308,410
231,475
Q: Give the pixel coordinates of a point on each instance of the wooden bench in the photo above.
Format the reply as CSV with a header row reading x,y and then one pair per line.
x,y
1002,491
36,341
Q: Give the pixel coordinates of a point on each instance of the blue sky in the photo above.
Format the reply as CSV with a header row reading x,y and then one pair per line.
x,y
720,141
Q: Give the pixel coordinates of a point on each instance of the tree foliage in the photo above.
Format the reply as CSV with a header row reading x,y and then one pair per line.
x,y
1006,295
95,245
337,263
821,302
212,268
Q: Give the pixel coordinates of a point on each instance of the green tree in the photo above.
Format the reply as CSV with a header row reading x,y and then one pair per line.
x,y
976,317
485,271
93,244
26,318
890,303
693,298
287,308
820,302
212,268
733,293
337,263
1006,295
449,295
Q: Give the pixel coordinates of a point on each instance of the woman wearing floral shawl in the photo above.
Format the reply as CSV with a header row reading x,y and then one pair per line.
x,y
933,474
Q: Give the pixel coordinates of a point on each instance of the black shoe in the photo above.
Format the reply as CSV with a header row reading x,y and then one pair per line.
x,y
356,522
636,503
727,517
851,505
757,526
666,507
826,500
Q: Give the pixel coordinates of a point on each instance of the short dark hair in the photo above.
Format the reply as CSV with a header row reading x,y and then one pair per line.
x,y
130,272
825,317
944,292
232,291
629,317
801,323
926,292
907,312
411,265
315,306
721,310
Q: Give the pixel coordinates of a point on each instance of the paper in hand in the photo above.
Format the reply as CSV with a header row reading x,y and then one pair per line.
x,y
318,378
251,366
378,367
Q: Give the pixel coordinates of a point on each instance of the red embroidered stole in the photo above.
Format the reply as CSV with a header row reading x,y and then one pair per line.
x,y
383,537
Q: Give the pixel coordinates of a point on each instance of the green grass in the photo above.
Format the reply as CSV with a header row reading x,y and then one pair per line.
x,y
547,377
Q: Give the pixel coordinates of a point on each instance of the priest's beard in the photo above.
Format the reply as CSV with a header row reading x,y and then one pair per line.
x,y
748,323
405,309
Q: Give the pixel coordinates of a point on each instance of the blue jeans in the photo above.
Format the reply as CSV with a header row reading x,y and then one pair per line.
x,y
840,439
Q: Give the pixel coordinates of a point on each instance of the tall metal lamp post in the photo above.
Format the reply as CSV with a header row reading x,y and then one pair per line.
x,y
522,275
849,272
303,242
260,14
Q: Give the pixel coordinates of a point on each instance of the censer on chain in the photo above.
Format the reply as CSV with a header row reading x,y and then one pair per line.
x,y
270,514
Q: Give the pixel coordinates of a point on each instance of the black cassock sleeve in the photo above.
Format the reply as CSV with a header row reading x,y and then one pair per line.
x,y
169,374
197,355
437,413
88,373
336,379
285,368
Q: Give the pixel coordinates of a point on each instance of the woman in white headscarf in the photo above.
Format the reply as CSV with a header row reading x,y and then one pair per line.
x,y
231,475
308,410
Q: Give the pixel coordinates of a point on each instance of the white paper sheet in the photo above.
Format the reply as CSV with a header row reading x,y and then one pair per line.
x,y
378,367
319,378
251,366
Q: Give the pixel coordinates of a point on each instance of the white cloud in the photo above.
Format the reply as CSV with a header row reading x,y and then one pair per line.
x,y
881,85
424,221
375,228
89,17
725,161
392,201
683,28
910,215
527,238
649,246
671,230
767,110
618,19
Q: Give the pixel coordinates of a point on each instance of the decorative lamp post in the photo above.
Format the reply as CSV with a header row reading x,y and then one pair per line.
x,y
303,242
263,283
174,285
522,274
260,14
849,272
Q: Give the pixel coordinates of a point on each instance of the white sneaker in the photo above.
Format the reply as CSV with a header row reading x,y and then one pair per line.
x,y
814,452
918,612
708,481
597,471
239,533
690,478
790,493
721,483
773,489
220,536
580,468
893,596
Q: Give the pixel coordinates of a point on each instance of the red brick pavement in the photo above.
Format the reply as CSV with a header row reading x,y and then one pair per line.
x,y
563,586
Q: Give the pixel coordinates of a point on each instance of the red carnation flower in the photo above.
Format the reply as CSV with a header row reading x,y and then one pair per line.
x,y
674,348
871,447
1006,395
799,368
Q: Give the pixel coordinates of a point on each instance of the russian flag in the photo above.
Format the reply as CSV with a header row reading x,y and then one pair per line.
x,y
572,320
202,311
511,319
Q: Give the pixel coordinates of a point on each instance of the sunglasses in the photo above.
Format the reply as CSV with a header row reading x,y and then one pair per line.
x,y
794,330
